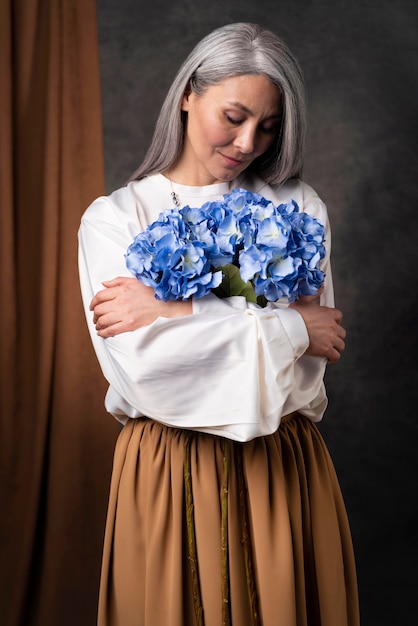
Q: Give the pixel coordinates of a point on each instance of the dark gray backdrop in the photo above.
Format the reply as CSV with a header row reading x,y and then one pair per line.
x,y
361,66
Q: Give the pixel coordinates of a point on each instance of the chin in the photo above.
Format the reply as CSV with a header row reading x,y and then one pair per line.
x,y
226,177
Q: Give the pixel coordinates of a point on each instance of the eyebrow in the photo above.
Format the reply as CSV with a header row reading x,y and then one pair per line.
x,y
247,110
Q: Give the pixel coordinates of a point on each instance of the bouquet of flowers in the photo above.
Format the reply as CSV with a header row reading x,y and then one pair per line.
x,y
241,245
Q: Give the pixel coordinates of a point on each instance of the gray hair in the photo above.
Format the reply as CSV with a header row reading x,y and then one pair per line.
x,y
232,50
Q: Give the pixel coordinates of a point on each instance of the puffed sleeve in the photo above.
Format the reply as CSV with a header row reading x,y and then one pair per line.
x,y
231,368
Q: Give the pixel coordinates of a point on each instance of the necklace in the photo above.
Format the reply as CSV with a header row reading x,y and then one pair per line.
x,y
174,197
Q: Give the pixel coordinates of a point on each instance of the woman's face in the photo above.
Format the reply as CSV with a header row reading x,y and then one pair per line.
x,y
228,126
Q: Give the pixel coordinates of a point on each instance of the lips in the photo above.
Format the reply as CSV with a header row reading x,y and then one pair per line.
x,y
231,161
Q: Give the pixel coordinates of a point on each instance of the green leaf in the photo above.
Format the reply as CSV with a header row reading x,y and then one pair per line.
x,y
233,285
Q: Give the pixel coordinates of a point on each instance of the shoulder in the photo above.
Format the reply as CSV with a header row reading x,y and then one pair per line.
x,y
124,203
117,204
295,189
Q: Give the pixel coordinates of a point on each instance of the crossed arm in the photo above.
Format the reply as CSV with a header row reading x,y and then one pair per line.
x,y
125,304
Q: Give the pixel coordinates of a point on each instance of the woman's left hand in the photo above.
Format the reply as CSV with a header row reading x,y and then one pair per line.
x,y
126,305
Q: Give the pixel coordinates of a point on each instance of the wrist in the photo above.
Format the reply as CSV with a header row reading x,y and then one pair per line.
x,y
178,308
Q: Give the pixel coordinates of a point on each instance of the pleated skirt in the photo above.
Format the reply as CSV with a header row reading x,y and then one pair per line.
x,y
203,531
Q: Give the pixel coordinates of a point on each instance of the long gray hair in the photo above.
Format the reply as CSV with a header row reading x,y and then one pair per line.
x,y
235,49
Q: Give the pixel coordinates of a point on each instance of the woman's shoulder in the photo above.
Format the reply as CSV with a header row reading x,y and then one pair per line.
x,y
295,189
107,206
123,201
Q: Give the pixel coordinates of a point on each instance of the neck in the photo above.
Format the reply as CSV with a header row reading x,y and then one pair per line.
x,y
185,173
178,188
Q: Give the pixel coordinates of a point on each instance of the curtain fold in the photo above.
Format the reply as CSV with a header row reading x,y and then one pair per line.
x,y
56,441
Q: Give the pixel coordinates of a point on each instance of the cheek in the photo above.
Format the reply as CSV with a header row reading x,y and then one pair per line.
x,y
214,131
221,137
264,144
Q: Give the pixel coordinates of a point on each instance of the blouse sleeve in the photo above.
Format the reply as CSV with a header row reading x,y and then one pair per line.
x,y
231,368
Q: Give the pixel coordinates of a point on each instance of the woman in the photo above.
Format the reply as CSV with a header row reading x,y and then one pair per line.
x,y
224,504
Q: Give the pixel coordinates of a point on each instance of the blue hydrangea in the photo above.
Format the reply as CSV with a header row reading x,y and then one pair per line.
x,y
187,251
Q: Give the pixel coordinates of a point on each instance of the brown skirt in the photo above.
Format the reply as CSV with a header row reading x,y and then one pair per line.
x,y
250,534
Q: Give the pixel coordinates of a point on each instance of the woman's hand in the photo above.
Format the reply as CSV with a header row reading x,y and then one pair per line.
x,y
126,305
326,335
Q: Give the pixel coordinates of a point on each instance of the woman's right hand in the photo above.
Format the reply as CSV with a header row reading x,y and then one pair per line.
x,y
125,304
326,334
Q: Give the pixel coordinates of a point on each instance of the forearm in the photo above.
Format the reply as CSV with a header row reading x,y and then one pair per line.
x,y
126,305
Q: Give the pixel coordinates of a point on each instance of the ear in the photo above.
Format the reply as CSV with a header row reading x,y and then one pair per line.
x,y
185,103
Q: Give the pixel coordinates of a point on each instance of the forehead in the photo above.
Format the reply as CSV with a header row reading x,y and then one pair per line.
x,y
255,93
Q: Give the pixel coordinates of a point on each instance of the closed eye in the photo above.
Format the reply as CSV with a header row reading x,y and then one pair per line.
x,y
269,130
233,120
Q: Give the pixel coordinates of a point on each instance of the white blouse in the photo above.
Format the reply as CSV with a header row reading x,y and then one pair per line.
x,y
231,368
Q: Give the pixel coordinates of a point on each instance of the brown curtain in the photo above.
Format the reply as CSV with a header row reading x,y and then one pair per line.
x,y
56,441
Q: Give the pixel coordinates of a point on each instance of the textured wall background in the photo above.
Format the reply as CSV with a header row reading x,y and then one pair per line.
x,y
361,65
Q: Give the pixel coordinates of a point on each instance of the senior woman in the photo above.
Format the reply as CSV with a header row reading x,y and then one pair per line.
x,y
224,506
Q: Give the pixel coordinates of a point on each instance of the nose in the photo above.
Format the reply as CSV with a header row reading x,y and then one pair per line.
x,y
245,139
